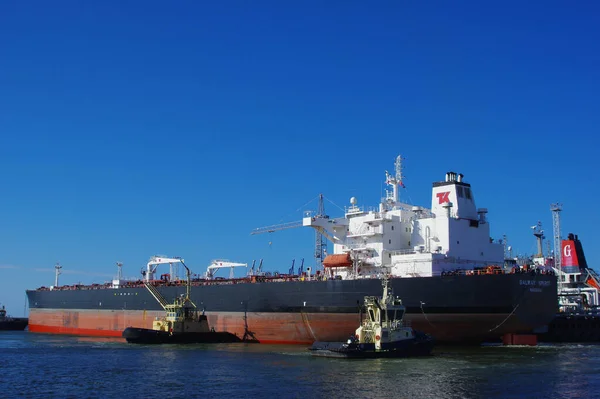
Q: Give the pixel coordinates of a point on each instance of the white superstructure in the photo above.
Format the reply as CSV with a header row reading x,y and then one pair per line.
x,y
412,241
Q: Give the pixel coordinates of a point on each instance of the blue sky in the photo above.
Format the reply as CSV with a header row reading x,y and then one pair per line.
x,y
131,128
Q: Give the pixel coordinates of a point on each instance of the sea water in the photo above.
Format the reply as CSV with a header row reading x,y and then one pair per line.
x,y
47,366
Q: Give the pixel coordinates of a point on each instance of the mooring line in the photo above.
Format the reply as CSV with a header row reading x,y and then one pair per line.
x,y
504,321
426,318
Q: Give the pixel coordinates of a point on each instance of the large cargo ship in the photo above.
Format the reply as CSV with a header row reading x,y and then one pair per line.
x,y
442,263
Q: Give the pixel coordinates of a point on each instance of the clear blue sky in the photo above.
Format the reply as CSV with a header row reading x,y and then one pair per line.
x,y
134,128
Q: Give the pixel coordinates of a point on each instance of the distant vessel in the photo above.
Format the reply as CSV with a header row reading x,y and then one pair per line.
x,y
382,334
578,307
11,323
578,319
442,260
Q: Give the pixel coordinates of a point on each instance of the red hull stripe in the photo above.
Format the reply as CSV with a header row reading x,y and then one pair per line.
x,y
90,332
73,331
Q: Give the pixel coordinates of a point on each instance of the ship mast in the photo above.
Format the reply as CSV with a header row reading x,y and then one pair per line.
x,y
393,197
120,271
188,284
57,268
539,236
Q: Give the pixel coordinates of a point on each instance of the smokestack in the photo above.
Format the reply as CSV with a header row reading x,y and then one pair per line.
x,y
460,177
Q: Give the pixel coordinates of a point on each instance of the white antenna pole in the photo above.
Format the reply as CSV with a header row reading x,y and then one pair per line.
x,y
394,181
57,267
399,176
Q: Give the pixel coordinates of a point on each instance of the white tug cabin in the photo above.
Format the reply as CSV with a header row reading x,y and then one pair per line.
x,y
384,322
411,241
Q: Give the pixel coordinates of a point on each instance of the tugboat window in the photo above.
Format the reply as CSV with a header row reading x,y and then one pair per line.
x,y
371,315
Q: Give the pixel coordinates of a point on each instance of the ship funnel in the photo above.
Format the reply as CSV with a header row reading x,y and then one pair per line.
x,y
460,177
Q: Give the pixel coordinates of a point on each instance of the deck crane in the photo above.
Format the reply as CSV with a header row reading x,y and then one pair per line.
x,y
157,260
320,239
222,264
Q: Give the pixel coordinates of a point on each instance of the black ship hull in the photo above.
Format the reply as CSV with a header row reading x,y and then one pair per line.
x,y
453,309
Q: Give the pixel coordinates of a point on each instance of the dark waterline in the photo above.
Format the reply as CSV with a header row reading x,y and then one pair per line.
x,y
47,366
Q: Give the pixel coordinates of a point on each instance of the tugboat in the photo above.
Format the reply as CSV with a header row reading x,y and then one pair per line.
x,y
8,323
182,324
382,334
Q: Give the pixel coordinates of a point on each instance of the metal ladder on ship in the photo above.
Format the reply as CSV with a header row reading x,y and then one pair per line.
x,y
157,295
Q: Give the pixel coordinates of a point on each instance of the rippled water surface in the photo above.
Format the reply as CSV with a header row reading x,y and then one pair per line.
x,y
46,366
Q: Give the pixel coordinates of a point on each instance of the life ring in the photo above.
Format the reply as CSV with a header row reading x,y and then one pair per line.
x,y
377,338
